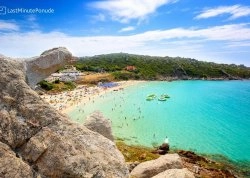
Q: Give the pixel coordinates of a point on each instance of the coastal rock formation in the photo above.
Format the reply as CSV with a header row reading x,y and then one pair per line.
x,y
154,167
37,140
98,123
175,173
12,166
132,165
38,68
192,157
162,150
204,167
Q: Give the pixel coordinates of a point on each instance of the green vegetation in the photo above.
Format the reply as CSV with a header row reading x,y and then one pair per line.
x,y
69,85
136,153
125,75
159,68
57,86
217,164
46,85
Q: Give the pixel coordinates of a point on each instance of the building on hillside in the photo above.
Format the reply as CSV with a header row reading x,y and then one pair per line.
x,y
130,68
68,74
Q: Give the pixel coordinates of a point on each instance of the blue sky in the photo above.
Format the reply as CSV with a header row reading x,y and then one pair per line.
x,y
208,30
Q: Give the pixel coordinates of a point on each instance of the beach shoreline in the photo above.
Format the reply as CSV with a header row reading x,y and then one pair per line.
x,y
65,101
94,92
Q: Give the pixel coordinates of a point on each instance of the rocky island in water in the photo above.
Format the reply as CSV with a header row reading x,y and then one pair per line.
x,y
37,140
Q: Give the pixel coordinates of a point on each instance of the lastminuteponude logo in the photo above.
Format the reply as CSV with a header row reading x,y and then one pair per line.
x,y
5,10
2,10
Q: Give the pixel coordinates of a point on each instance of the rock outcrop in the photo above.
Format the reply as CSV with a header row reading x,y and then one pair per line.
x,y
38,68
203,167
37,140
11,166
98,123
175,173
154,167
162,150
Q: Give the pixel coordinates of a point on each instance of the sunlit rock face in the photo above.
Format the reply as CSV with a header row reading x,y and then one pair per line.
x,y
37,139
39,68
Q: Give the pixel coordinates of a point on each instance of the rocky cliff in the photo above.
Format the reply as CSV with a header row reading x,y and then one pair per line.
x,y
36,140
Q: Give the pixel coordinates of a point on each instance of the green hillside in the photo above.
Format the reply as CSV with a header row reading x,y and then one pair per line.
x,y
160,68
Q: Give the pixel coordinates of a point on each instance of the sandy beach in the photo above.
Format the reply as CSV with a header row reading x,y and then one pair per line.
x,y
65,101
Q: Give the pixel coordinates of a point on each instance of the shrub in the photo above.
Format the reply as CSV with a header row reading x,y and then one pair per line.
x,y
46,85
57,81
70,85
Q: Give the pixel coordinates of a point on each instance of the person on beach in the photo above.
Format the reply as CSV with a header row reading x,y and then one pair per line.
x,y
166,140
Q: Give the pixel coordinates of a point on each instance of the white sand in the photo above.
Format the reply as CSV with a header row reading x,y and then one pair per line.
x,y
65,101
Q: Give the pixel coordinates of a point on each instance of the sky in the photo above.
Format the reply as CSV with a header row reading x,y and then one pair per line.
x,y
207,30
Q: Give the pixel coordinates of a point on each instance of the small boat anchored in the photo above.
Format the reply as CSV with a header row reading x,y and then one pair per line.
x,y
151,97
163,97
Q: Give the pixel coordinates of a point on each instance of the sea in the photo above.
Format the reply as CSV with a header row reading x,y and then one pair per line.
x,y
207,117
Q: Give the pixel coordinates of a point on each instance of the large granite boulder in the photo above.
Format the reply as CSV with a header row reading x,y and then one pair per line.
x,y
175,173
40,139
12,166
98,123
38,68
154,167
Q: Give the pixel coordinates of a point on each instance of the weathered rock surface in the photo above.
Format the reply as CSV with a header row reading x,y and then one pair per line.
x,y
163,149
132,165
12,166
98,123
199,166
40,141
38,68
175,173
154,167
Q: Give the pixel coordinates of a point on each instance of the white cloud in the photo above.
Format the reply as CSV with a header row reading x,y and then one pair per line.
x,y
126,10
126,29
234,32
8,26
235,11
173,42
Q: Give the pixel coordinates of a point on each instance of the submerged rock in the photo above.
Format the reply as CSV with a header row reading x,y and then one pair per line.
x,y
37,140
98,123
154,167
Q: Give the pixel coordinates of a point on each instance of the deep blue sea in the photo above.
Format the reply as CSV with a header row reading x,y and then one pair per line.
x,y
210,117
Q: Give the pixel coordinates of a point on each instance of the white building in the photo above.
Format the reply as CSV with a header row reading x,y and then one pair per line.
x,y
69,74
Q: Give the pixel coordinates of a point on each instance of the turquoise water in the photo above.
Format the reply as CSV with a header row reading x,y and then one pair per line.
x,y
211,117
